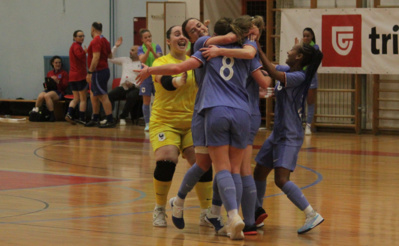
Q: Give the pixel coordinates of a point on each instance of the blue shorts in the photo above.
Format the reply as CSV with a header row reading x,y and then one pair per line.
x,y
147,87
198,129
99,81
273,155
78,85
60,95
255,124
227,126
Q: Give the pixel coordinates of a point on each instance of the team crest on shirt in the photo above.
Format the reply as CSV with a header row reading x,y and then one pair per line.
x,y
279,87
161,137
142,89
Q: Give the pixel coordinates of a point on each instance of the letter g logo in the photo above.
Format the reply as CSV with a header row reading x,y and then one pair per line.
x,y
342,39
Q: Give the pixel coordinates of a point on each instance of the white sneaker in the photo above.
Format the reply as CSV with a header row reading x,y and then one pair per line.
x,y
311,223
103,121
234,228
177,214
308,130
147,127
203,221
35,109
217,223
122,122
159,217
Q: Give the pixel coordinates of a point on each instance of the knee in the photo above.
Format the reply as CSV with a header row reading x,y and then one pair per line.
x,y
164,170
206,177
260,172
280,181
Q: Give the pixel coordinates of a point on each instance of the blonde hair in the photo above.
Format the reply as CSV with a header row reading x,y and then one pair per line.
x,y
257,20
241,26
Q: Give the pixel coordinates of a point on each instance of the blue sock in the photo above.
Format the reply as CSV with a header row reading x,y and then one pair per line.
x,y
248,199
227,189
295,195
190,179
146,113
309,118
260,192
96,117
216,200
82,116
70,111
110,118
238,183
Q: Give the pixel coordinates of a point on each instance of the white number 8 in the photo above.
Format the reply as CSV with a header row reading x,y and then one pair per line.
x,y
227,66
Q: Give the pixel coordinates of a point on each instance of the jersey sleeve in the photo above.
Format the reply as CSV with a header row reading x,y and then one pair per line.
x,y
250,43
198,56
158,50
140,51
200,43
96,45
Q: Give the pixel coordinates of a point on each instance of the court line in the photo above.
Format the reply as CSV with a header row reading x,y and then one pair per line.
x,y
46,206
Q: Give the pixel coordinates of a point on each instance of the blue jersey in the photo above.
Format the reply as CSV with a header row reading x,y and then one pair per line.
x,y
225,82
288,111
253,93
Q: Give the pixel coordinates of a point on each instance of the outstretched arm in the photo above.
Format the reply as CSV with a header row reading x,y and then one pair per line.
x,y
247,52
270,67
167,69
262,80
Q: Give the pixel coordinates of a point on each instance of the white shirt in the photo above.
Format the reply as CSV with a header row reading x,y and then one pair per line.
x,y
128,76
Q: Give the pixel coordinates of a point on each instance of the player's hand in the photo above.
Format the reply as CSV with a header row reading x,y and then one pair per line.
x,y
210,52
180,81
142,74
88,78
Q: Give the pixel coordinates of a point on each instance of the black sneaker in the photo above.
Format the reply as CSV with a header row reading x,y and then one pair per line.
x,y
108,125
250,230
79,121
260,216
92,123
69,118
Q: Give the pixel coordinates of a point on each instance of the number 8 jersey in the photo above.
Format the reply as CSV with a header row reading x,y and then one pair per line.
x,y
225,81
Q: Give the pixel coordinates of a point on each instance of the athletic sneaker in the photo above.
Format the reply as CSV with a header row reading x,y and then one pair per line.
x,y
234,228
308,130
69,118
311,223
92,123
203,221
217,222
147,127
260,216
177,214
122,122
250,230
108,124
159,217
80,121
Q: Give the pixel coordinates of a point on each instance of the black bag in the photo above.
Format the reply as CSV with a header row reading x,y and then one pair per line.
x,y
49,84
42,115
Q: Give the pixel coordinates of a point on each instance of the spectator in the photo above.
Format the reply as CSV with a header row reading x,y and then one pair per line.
x,y
77,76
98,75
60,77
127,89
148,52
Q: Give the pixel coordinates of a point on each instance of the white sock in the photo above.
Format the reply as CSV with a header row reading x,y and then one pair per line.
x,y
309,212
179,202
232,213
216,210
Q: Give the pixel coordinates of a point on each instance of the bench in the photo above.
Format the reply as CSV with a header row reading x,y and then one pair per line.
x,y
21,107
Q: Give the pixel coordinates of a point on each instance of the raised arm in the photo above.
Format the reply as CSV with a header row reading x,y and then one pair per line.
x,y
270,67
247,52
262,80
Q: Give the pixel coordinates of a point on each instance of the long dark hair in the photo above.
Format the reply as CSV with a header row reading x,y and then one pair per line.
x,y
311,32
311,60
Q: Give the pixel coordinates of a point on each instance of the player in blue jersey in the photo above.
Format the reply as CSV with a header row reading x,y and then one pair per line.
x,y
309,38
280,150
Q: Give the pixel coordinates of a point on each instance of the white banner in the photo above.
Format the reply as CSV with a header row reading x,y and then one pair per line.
x,y
362,41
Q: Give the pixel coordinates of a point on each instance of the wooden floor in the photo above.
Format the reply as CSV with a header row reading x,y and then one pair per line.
x,y
70,185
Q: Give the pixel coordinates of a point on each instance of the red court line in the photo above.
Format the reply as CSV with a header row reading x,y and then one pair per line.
x,y
10,180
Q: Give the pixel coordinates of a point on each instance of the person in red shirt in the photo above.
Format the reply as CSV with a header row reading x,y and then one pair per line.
x,y
77,78
60,76
98,53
